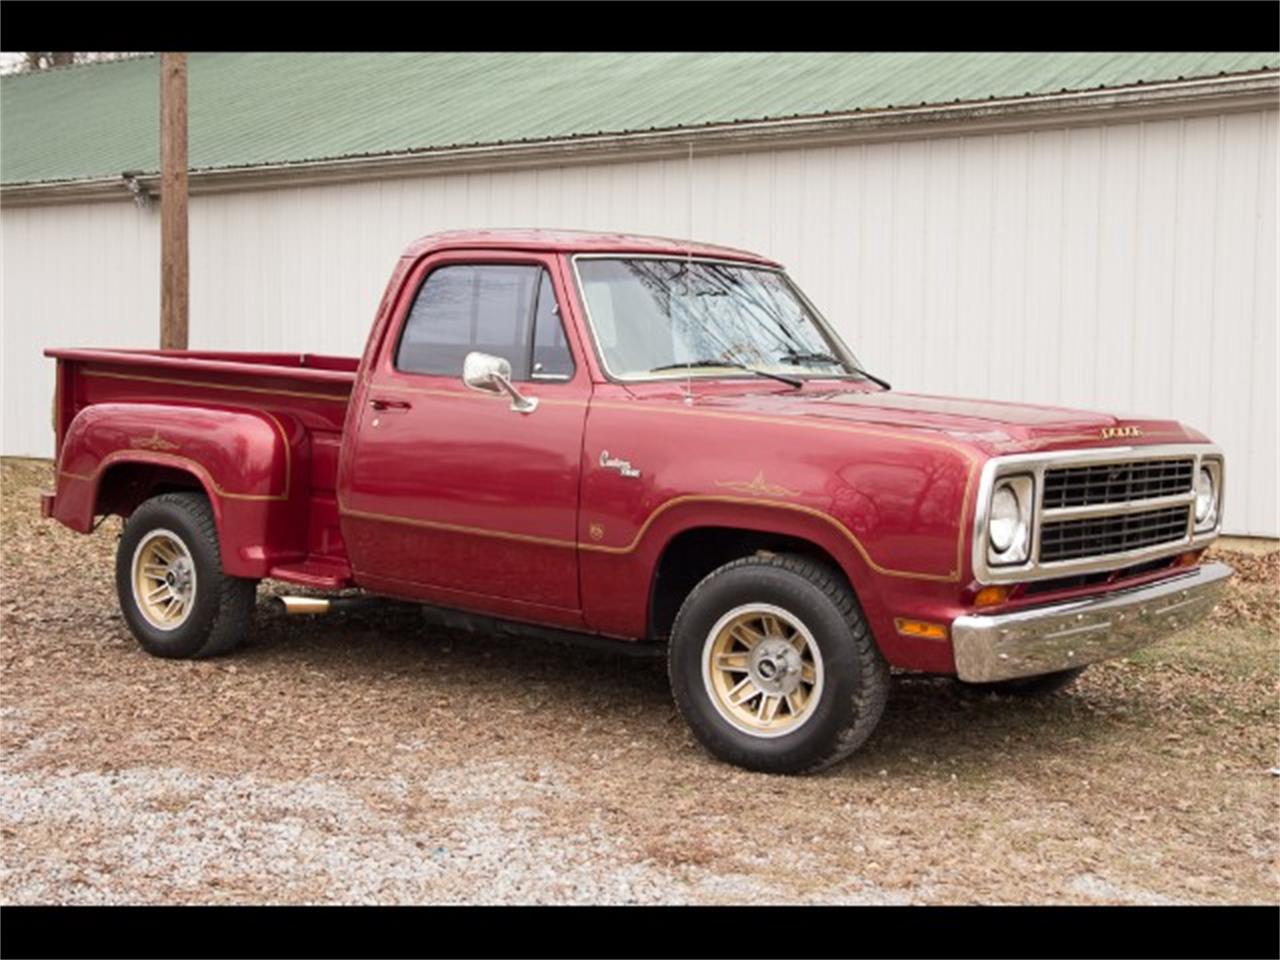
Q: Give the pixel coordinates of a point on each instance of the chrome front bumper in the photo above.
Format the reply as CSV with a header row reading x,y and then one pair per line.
x,y
1049,639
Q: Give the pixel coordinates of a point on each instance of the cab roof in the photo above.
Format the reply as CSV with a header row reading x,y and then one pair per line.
x,y
577,241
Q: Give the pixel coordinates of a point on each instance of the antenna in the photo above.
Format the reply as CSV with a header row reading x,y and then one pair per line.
x,y
688,263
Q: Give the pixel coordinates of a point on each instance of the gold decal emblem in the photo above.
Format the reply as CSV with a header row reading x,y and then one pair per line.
x,y
596,531
153,442
758,487
1118,433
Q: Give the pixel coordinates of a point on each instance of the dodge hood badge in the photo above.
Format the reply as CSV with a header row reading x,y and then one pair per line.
x,y
1117,433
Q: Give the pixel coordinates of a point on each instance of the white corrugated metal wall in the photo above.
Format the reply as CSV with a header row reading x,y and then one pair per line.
x,y
1129,267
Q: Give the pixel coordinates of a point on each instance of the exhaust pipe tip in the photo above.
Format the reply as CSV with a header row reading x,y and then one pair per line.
x,y
297,605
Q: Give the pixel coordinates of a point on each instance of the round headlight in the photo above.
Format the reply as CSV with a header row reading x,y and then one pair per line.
x,y
1206,495
1005,519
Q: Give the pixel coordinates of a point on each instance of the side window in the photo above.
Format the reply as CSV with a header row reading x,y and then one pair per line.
x,y
552,359
464,308
508,311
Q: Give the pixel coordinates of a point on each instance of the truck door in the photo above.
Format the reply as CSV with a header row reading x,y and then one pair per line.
x,y
450,494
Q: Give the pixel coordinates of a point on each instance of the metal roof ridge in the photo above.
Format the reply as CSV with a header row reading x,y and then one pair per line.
x,y
833,115
989,108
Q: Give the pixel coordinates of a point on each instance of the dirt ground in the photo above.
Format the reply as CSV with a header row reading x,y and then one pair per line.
x,y
370,758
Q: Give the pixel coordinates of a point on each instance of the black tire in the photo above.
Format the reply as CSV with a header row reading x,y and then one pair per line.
x,y
1042,685
855,684
221,608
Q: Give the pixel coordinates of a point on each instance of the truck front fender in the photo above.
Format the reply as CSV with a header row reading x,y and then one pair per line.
x,y
623,610
615,607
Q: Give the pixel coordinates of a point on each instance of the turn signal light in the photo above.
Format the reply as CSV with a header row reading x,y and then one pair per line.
x,y
921,628
990,596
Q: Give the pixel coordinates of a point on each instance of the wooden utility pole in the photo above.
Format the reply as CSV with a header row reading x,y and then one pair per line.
x,y
173,201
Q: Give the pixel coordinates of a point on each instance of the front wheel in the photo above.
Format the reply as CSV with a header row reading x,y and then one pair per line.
x,y
773,667
169,580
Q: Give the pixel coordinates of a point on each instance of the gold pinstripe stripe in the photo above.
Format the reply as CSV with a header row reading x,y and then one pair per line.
x,y
648,522
215,386
783,419
170,460
454,527
1170,434
476,394
776,504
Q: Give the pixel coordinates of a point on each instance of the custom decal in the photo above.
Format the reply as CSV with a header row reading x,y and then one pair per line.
x,y
758,487
153,442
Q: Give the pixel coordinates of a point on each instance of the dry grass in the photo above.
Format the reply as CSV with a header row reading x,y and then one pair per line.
x,y
366,757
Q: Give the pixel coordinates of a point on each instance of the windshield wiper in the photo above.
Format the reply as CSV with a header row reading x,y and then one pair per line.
x,y
819,357
718,362
816,356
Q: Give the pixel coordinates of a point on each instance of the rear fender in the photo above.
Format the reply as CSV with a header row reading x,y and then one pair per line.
x,y
243,460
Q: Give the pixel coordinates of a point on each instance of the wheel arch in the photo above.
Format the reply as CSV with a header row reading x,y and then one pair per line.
x,y
690,554
125,481
125,484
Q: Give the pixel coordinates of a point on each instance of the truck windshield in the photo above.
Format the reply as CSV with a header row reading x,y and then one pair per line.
x,y
657,318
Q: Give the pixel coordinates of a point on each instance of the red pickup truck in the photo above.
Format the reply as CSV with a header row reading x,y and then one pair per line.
x,y
646,440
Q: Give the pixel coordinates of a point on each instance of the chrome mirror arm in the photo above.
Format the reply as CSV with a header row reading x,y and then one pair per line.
x,y
490,374
519,402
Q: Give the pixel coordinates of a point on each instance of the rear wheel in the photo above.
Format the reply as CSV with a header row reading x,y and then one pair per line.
x,y
773,667
169,580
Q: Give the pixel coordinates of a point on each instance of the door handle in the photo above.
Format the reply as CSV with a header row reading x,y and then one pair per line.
x,y
381,403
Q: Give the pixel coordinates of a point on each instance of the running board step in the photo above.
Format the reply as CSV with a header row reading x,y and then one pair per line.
x,y
315,574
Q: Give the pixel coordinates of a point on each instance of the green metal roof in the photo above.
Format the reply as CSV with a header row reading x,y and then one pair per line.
x,y
249,109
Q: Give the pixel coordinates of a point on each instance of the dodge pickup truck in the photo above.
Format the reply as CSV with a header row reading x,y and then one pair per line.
x,y
621,438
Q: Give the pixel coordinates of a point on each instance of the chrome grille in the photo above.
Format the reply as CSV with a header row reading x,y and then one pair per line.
x,y
1103,483
1114,533
1098,511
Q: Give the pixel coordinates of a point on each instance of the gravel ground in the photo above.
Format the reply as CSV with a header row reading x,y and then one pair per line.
x,y
369,758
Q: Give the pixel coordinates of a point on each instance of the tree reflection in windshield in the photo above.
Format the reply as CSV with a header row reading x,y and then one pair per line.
x,y
650,312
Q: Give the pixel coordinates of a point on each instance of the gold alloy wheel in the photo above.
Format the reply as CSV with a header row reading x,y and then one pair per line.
x,y
164,579
762,669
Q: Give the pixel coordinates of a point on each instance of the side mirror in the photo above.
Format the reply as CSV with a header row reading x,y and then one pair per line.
x,y
490,374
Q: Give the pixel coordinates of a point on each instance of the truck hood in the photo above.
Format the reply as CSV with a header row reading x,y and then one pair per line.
x,y
992,426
